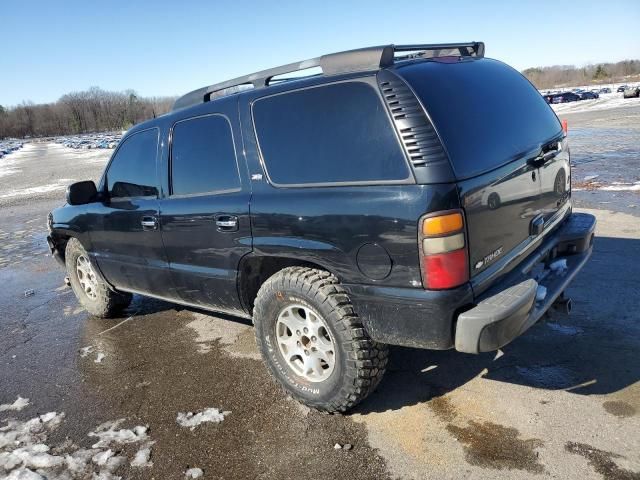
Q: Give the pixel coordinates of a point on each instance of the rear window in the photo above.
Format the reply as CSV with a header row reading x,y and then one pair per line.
x,y
337,133
485,112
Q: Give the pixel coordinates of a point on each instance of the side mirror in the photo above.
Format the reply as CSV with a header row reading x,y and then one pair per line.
x,y
81,193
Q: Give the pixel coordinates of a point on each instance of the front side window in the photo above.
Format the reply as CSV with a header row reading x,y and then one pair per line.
x,y
203,158
132,172
337,133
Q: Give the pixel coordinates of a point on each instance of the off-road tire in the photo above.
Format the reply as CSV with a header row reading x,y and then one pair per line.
x,y
360,362
108,303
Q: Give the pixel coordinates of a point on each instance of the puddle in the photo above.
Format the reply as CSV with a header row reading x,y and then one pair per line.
x,y
602,462
619,409
606,165
236,338
443,407
491,445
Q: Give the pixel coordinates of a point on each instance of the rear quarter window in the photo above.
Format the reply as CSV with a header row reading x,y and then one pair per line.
x,y
486,113
338,133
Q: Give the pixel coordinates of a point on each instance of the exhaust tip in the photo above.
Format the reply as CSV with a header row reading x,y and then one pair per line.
x,y
563,304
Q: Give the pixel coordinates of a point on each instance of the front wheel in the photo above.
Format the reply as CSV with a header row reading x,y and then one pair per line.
x,y
89,287
313,342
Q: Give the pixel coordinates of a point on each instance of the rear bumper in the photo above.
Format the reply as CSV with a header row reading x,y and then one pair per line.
x,y
509,308
454,318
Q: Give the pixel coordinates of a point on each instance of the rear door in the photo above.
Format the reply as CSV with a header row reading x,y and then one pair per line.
x,y
205,217
506,148
125,237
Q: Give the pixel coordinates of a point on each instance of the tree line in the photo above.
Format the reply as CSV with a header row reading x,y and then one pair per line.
x,y
93,110
97,110
568,75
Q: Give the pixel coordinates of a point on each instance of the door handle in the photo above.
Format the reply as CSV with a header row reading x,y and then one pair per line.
x,y
149,223
545,156
227,223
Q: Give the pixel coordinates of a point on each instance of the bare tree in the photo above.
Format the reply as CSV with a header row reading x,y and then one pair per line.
x,y
80,112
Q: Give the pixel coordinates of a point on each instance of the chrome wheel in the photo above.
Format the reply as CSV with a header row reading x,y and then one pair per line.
x,y
87,277
305,343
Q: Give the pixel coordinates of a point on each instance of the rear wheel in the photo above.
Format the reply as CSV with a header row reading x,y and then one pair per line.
x,y
89,287
313,342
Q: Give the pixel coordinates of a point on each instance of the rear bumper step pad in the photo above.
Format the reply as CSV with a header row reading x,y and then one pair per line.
x,y
501,316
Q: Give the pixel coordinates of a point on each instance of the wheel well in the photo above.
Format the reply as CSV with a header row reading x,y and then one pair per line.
x,y
60,244
254,271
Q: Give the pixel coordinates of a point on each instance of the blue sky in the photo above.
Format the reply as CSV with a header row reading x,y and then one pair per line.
x,y
170,47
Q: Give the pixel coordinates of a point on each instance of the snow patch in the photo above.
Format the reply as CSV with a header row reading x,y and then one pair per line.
x,y
208,329
84,351
605,102
192,420
24,453
559,267
193,473
99,357
24,474
34,190
108,432
29,432
621,187
541,293
142,458
18,405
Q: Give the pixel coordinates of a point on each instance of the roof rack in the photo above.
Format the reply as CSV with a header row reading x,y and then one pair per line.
x,y
360,60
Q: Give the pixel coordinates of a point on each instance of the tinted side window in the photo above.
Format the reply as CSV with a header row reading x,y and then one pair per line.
x,y
132,172
202,156
329,134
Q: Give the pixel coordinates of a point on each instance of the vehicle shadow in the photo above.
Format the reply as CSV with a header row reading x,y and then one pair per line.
x,y
141,305
591,351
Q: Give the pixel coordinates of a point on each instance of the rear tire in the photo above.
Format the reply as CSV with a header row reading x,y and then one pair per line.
x,y
90,289
350,364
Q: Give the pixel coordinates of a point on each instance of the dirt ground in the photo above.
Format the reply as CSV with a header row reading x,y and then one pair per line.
x,y
562,401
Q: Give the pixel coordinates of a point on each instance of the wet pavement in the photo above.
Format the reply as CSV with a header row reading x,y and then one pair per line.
x,y
562,401
605,155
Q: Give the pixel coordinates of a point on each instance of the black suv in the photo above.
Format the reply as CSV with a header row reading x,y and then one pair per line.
x,y
411,195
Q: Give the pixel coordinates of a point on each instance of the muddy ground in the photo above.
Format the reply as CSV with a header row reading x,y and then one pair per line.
x,y
563,401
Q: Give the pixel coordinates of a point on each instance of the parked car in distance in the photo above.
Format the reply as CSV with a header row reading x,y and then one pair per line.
x,y
632,92
605,90
589,96
563,97
621,88
341,212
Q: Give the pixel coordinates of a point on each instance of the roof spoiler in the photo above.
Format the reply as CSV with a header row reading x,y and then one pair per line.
x,y
360,60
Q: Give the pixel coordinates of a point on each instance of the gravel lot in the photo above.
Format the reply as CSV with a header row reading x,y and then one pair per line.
x,y
563,401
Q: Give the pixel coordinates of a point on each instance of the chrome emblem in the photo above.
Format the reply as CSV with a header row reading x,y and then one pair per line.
x,y
489,258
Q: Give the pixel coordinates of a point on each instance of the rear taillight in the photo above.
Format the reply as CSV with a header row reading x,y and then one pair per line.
x,y
443,250
565,127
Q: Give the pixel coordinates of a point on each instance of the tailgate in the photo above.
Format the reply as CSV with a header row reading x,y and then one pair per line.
x,y
512,206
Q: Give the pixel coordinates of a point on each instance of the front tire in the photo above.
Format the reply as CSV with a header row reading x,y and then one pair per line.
x,y
90,289
313,342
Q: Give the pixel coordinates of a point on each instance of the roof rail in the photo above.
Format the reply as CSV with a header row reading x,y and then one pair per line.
x,y
360,60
